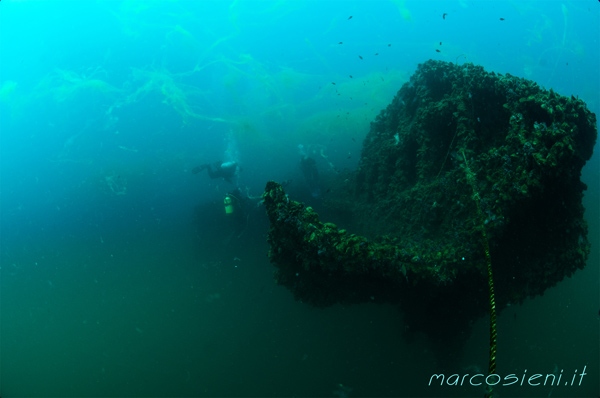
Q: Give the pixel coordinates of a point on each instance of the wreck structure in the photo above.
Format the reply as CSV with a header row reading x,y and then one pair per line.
x,y
461,160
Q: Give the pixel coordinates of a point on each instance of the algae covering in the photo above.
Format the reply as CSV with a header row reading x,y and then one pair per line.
x,y
455,137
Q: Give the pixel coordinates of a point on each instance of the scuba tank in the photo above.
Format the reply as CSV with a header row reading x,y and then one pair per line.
x,y
229,204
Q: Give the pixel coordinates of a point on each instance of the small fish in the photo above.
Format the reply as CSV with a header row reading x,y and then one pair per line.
x,y
350,17
502,19
440,43
437,51
376,53
350,76
389,45
341,43
333,83
444,15
360,57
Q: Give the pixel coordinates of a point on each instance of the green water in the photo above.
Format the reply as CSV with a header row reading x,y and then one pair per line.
x,y
147,312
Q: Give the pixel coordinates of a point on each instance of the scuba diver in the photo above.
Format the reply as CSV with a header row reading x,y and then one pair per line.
x,y
238,206
231,223
309,168
227,171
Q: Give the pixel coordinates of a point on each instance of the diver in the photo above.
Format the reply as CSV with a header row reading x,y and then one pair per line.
x,y
225,170
238,207
309,168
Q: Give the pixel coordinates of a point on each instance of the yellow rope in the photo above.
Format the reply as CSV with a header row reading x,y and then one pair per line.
x,y
488,259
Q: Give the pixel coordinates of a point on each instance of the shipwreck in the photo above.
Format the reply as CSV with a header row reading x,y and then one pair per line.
x,y
465,174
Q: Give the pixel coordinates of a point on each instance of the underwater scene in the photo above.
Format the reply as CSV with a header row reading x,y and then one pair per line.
x,y
284,198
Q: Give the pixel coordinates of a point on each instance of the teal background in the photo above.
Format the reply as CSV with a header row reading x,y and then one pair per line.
x,y
119,275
